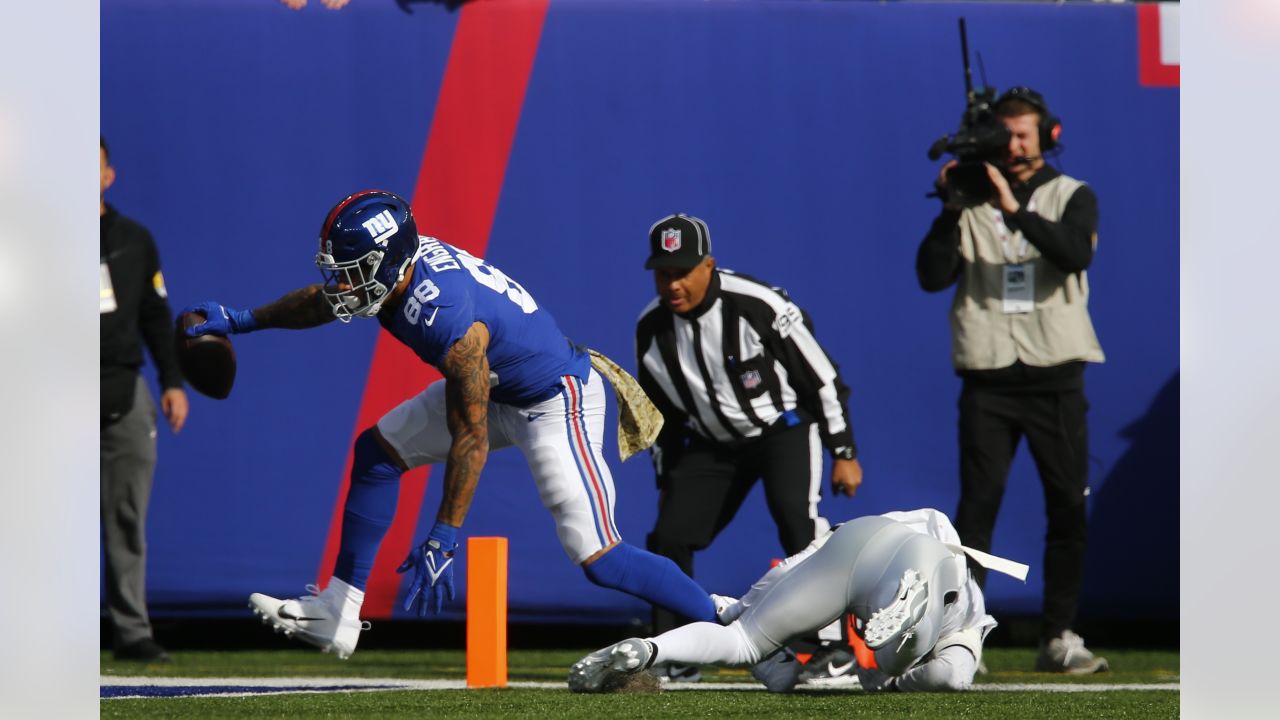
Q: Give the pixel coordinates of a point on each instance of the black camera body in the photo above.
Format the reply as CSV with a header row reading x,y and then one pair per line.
x,y
982,138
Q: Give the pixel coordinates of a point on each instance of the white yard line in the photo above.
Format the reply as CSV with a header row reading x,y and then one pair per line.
x,y
309,681
363,684
1073,687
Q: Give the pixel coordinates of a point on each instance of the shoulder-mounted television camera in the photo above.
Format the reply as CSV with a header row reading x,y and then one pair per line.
x,y
982,138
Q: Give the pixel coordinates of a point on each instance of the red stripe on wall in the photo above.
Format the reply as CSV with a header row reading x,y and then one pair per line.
x,y
1151,72
456,197
394,375
475,121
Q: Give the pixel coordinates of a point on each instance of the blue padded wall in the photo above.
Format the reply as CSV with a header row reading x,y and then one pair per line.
x,y
797,130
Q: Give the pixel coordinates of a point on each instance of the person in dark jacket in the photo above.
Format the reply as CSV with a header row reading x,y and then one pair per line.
x,y
133,308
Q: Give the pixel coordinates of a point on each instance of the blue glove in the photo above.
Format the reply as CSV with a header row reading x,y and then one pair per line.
x,y
432,565
220,320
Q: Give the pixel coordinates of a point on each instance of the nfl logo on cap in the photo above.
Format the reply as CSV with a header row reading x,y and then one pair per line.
x,y
678,241
671,239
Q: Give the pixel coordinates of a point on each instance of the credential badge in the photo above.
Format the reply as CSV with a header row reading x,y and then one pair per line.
x,y
671,240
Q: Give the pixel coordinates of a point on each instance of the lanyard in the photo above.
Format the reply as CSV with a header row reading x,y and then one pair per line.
x,y
1003,232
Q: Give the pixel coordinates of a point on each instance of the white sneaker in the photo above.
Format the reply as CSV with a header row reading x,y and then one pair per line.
x,y
317,618
779,672
626,657
1067,654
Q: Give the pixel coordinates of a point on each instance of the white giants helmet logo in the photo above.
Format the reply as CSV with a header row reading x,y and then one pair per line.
x,y
381,226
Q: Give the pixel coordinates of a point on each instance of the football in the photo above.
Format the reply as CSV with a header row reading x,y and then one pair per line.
x,y
208,361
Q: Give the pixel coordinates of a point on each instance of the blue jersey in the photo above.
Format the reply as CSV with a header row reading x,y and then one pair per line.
x,y
451,290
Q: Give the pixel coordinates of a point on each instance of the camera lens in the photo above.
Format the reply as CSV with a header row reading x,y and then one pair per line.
x,y
969,183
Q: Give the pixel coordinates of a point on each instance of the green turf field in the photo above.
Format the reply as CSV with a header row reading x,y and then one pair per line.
x,y
1008,668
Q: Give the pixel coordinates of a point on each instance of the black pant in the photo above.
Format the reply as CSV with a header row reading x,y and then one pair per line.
x,y
992,421
707,483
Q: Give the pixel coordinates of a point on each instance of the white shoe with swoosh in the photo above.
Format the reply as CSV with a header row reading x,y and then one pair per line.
x,y
313,619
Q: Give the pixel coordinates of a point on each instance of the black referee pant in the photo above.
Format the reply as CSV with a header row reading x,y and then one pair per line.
x,y
707,484
991,424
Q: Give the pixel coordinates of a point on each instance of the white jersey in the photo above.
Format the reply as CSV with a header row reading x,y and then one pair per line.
x,y
969,612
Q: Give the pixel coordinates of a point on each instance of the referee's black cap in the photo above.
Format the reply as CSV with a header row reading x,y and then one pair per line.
x,y
679,241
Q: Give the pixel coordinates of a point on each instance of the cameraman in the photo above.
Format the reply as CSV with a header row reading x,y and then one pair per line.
x,y
1021,336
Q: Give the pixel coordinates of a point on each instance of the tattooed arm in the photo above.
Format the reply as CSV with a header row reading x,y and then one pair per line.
x,y
303,308
466,372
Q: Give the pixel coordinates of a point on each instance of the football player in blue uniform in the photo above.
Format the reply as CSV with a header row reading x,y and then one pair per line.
x,y
510,378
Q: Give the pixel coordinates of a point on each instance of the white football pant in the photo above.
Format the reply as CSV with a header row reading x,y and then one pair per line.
x,y
560,439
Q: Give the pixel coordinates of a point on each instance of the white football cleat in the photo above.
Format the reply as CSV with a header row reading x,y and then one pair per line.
x,y
316,619
888,621
626,657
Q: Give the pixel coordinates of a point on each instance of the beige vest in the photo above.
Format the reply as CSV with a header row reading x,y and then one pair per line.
x,y
1056,331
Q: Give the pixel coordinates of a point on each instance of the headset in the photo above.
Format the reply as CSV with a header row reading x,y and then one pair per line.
x,y
1050,125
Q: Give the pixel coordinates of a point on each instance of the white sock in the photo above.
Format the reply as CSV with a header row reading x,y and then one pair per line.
x,y
345,598
704,643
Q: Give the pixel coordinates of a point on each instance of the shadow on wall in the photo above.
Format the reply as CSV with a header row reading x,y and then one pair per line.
x,y
1131,569
406,6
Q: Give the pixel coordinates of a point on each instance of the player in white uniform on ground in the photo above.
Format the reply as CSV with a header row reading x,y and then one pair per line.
x,y
510,378
902,574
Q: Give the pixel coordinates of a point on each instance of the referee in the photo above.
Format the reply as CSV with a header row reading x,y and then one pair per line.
x,y
746,393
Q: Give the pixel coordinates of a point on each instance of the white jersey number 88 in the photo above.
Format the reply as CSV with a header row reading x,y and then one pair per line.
x,y
494,279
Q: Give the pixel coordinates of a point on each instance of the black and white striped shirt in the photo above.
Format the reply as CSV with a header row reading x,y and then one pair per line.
x,y
741,364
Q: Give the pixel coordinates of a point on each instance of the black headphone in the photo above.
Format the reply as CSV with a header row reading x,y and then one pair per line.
x,y
1050,125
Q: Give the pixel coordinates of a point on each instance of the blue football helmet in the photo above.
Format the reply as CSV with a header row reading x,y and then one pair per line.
x,y
366,244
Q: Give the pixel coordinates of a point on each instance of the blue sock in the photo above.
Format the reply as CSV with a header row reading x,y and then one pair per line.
x,y
653,578
370,508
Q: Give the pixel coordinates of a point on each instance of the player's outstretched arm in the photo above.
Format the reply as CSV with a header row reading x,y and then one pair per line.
x,y
303,308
